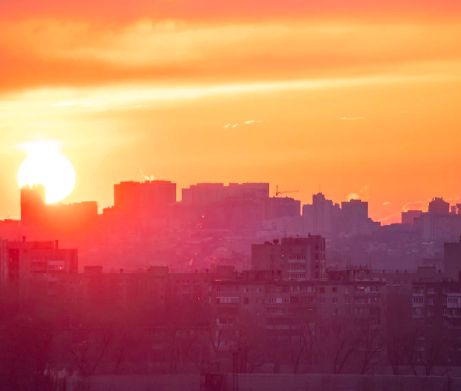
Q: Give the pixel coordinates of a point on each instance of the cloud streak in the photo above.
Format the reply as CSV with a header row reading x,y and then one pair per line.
x,y
171,51
132,96
234,125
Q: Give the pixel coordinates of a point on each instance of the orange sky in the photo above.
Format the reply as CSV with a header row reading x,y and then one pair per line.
x,y
360,96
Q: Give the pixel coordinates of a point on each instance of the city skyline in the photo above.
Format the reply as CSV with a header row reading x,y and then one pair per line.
x,y
352,98
238,195
274,191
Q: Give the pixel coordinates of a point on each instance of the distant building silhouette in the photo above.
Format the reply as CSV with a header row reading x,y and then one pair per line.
x,y
409,216
24,260
321,217
205,194
297,259
144,198
218,206
452,260
438,224
66,221
439,207
33,207
280,207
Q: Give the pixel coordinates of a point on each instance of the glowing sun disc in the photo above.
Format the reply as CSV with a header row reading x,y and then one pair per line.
x,y
45,165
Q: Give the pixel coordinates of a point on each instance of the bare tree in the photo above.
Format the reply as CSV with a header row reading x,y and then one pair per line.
x,y
338,339
400,335
370,346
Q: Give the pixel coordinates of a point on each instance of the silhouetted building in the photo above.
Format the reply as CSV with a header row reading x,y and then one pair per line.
x,y
33,207
452,260
64,221
217,206
354,218
144,198
409,216
321,217
206,194
298,259
282,309
439,207
438,224
23,260
279,207
436,312
10,229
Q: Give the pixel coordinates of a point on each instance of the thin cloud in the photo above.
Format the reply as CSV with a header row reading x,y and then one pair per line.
x,y
353,196
415,205
390,219
362,194
87,53
249,122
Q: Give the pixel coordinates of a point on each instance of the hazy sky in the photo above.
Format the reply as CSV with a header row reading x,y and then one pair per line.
x,y
343,96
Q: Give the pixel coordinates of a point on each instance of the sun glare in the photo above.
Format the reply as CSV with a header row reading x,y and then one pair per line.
x,y
46,165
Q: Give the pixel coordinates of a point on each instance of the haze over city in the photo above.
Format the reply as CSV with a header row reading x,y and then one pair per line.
x,y
338,97
230,196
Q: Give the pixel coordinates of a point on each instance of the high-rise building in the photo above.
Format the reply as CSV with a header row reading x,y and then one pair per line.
x,y
323,215
33,207
439,207
206,194
279,207
41,220
256,191
438,224
144,197
452,260
23,260
409,216
355,209
296,259
203,194
217,206
354,216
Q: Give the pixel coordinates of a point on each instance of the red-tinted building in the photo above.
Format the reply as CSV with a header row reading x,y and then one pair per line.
x,y
63,221
23,260
144,198
297,259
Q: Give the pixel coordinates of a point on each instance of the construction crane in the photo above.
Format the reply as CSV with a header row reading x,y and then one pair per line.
x,y
278,192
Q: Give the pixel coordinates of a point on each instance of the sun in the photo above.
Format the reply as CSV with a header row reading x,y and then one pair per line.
x,y
46,165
